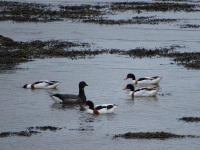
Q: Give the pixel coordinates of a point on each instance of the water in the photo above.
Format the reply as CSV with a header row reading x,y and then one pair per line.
x,y
178,94
121,37
22,108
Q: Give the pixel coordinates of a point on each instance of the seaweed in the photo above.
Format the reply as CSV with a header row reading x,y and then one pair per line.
x,y
29,131
135,20
20,133
190,26
35,12
151,135
190,119
44,128
13,53
153,6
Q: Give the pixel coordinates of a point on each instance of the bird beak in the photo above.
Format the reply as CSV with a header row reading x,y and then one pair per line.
x,y
126,78
125,88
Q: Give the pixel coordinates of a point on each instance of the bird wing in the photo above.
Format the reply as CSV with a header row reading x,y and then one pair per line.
x,y
145,88
141,79
40,84
106,106
69,98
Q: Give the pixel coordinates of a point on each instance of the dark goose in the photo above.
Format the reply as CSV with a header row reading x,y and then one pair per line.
x,y
71,98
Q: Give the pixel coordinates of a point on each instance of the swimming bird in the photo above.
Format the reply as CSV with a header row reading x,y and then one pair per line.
x,y
144,80
100,109
42,84
71,98
145,91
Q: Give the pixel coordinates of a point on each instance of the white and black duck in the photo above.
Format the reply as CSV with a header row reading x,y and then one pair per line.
x,y
99,109
42,84
145,91
144,80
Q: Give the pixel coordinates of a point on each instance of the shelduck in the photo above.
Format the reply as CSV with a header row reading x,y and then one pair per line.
x,y
71,98
100,109
144,80
146,91
42,84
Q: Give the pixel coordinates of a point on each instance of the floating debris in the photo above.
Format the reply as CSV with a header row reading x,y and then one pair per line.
x,y
151,135
190,119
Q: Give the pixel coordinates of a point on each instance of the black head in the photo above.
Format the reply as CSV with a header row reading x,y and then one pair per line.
x,y
82,84
130,87
90,104
130,75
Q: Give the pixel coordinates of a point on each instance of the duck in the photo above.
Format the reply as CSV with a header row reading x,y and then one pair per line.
x,y
99,109
71,98
144,80
145,91
42,84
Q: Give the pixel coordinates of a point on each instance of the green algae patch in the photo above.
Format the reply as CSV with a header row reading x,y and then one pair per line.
x,y
190,119
151,135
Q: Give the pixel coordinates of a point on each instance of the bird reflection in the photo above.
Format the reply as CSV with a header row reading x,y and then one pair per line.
x,y
64,106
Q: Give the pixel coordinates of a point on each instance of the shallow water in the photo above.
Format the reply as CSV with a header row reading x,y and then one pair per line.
x,y
21,108
178,94
119,36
